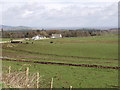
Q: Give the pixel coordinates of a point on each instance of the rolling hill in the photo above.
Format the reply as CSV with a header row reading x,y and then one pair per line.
x,y
9,28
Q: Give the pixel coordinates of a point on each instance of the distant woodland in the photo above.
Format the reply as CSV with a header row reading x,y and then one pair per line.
x,y
48,33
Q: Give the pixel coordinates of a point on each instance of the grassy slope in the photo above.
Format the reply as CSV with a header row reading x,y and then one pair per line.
x,y
5,39
74,47
65,76
78,77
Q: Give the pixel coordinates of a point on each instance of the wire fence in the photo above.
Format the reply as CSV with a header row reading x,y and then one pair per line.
x,y
23,79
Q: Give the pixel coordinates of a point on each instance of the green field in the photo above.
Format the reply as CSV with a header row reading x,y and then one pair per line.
x,y
97,50
8,39
5,39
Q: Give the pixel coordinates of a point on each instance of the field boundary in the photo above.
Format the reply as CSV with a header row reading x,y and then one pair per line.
x,y
64,64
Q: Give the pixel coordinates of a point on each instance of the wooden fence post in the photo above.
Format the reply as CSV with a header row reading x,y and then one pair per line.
x,y
27,79
37,79
51,84
70,87
9,69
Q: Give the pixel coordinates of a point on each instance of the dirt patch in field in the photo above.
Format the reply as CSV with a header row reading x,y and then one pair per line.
x,y
64,64
54,59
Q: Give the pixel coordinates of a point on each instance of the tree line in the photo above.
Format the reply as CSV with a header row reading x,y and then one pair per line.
x,y
48,33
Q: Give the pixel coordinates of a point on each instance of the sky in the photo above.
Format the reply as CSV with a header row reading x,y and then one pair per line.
x,y
59,13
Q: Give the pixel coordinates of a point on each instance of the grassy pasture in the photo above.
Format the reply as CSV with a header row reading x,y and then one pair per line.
x,y
100,50
9,39
4,39
65,76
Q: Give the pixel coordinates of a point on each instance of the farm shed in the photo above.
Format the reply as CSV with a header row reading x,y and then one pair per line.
x,y
26,39
38,37
56,36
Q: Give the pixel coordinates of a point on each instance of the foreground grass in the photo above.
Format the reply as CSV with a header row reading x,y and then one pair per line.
x,y
65,76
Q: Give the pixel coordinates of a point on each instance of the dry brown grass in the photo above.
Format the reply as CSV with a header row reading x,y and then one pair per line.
x,y
17,79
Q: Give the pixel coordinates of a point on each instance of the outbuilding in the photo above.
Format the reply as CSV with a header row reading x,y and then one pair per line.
x,y
38,37
56,36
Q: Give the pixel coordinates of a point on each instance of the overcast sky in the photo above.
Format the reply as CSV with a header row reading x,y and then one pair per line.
x,y
59,13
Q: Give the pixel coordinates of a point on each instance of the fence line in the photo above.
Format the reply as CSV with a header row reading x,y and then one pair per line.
x,y
51,84
23,79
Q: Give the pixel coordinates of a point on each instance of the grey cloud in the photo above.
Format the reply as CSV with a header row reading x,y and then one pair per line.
x,y
73,15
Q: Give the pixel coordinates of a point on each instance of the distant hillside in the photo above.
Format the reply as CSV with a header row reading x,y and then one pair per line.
x,y
9,28
23,28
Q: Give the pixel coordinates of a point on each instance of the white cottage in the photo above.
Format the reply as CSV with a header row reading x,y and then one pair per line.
x,y
38,37
56,36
